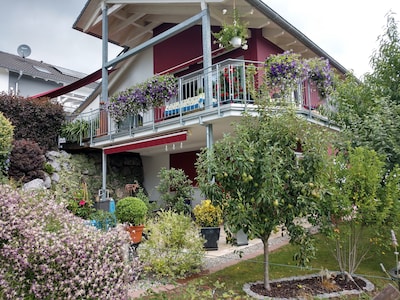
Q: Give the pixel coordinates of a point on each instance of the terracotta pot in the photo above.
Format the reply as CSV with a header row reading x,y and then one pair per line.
x,y
135,232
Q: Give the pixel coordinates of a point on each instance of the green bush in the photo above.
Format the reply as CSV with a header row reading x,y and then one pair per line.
x,y
174,247
131,210
6,138
176,190
103,220
76,130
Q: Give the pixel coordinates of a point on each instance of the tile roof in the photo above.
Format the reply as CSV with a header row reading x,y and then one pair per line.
x,y
39,69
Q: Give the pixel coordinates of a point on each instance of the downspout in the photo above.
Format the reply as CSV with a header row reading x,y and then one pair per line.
x,y
17,82
104,91
207,65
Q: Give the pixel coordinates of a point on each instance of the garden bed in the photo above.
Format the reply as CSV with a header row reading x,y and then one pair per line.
x,y
302,287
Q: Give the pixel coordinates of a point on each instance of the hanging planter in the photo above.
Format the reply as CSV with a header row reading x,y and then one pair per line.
x,y
236,42
154,92
233,35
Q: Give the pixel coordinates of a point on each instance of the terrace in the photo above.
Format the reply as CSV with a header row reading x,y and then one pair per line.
x,y
232,83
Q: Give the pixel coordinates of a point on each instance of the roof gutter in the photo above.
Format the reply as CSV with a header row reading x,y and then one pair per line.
x,y
275,17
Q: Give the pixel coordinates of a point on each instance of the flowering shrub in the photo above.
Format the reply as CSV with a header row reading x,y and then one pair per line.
x,y
48,253
174,247
207,215
143,96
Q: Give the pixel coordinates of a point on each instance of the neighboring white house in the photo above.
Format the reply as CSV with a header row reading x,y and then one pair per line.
x,y
29,78
176,37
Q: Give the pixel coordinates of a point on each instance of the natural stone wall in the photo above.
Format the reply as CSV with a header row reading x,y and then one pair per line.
x,y
122,168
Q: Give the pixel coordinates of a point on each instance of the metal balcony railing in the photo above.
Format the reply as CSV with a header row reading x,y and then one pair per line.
x,y
232,81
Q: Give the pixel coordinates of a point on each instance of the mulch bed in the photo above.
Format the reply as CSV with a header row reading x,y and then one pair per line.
x,y
312,286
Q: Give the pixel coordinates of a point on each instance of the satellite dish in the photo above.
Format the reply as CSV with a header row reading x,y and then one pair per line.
x,y
24,50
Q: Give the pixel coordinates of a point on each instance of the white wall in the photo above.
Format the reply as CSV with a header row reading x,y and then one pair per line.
x,y
151,166
4,81
140,68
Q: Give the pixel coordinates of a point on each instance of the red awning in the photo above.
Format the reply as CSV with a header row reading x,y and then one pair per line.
x,y
73,86
151,142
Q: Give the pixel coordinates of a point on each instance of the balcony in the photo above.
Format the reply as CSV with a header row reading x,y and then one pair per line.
x,y
232,83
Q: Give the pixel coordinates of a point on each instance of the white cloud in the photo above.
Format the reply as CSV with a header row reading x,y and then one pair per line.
x,y
346,29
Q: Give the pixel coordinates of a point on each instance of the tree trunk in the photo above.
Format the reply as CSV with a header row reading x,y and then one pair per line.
x,y
266,263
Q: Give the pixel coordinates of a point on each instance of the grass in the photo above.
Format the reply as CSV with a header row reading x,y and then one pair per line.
x,y
282,265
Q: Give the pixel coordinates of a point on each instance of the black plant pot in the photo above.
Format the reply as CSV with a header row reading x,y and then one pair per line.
x,y
211,234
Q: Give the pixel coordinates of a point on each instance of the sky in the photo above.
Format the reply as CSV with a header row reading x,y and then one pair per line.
x,y
346,29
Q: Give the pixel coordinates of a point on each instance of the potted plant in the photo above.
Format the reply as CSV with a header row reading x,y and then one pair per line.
x,y
209,218
232,35
132,211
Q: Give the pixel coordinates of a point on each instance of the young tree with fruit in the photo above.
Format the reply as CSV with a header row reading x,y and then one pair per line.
x,y
270,172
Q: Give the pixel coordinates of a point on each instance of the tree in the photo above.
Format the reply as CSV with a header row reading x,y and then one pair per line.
x,y
369,112
260,181
385,62
363,194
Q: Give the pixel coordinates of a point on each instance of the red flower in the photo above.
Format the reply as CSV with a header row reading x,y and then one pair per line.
x,y
82,202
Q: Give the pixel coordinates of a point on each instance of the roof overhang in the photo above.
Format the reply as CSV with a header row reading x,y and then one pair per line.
x,y
73,86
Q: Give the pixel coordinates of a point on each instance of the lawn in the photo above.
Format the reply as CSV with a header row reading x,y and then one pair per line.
x,y
282,265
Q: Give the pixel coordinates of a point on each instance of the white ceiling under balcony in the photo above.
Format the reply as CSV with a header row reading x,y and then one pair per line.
x,y
131,22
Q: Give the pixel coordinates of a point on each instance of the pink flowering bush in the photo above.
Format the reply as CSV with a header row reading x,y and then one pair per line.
x,y
48,253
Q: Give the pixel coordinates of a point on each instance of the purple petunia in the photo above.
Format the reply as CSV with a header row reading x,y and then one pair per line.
x,y
154,92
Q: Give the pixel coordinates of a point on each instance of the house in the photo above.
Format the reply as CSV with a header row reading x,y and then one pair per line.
x,y
175,37
30,78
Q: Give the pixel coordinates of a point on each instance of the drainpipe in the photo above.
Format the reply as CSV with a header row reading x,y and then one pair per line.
x,y
207,64
104,90
17,83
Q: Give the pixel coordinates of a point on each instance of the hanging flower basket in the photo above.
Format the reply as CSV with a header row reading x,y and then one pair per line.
x,y
233,35
285,71
142,97
319,72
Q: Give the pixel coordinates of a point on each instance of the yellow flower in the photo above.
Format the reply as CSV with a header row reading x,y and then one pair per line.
x,y
207,215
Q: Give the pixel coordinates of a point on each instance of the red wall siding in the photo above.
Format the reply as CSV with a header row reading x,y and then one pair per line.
x,y
185,161
187,45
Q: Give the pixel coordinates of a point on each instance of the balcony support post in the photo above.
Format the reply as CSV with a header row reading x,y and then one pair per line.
x,y
104,87
210,136
207,65
207,55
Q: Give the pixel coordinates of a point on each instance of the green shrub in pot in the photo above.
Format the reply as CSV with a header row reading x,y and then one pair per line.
x,y
131,210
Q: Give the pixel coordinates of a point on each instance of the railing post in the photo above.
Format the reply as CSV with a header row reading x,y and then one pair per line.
x,y
244,83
